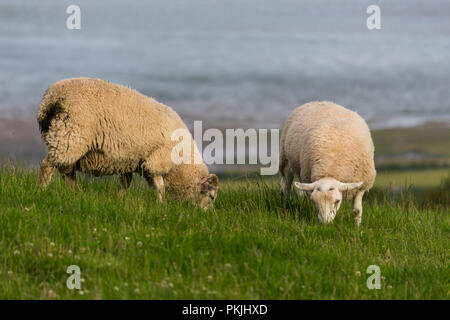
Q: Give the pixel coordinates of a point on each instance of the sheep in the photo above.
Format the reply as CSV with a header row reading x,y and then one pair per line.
x,y
101,128
330,149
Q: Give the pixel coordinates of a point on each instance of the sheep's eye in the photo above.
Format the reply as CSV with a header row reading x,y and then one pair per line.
x,y
337,202
331,188
318,189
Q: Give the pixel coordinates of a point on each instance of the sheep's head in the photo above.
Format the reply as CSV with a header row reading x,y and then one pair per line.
x,y
208,191
327,195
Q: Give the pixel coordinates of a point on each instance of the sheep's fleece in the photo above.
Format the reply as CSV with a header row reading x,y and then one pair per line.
x,y
322,141
98,127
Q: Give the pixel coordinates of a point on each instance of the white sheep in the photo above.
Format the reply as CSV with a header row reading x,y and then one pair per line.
x,y
330,149
98,127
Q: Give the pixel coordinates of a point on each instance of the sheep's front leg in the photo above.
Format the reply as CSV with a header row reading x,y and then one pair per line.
x,y
286,180
158,182
125,182
155,167
357,207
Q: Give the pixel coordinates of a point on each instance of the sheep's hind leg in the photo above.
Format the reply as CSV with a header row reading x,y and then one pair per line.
x,y
46,172
125,182
357,207
69,176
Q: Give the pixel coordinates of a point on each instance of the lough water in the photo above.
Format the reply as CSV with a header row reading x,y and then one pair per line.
x,y
236,63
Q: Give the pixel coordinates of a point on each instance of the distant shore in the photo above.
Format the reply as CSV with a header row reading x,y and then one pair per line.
x,y
425,145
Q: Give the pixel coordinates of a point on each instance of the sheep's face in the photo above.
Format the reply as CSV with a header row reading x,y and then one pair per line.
x,y
327,196
208,191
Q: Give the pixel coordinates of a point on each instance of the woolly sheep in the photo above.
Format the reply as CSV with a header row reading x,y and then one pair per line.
x,y
331,151
101,128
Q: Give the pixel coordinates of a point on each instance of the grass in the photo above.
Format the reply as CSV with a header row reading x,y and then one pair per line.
x,y
253,245
423,145
425,178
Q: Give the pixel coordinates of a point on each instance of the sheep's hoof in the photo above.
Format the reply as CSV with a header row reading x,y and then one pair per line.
x,y
357,222
73,188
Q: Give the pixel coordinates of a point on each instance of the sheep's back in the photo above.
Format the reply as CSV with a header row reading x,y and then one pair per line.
x,y
324,139
117,118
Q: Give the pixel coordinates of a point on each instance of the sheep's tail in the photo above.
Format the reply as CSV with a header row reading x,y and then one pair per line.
x,y
64,139
51,105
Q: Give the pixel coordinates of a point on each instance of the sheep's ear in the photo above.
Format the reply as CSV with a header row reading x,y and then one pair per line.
x,y
211,179
349,186
305,186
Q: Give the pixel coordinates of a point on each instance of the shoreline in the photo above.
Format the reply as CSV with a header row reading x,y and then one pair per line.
x,y
424,145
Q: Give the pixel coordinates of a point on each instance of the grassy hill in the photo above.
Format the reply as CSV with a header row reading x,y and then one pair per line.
x,y
424,145
253,245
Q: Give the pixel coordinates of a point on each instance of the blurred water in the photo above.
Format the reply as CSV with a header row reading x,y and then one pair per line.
x,y
236,63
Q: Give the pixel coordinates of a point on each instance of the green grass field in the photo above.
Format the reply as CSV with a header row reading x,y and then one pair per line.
x,y
253,245
424,145
415,178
